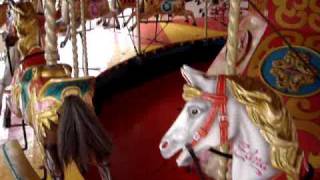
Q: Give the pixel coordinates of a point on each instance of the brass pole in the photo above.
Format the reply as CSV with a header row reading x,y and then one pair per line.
x,y
51,50
138,26
84,41
232,41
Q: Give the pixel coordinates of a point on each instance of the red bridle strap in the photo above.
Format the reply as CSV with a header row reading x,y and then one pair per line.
x,y
218,102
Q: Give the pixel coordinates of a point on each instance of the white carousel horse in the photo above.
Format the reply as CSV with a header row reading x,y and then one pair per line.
x,y
163,7
93,9
151,8
260,132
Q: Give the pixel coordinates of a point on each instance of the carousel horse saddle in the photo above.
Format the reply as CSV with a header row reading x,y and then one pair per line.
x,y
18,166
39,75
60,88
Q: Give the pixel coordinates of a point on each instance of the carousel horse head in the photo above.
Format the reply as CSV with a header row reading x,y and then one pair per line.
x,y
25,22
240,113
192,117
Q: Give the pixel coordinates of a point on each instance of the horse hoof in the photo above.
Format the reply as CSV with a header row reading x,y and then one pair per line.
x,y
62,44
105,24
7,117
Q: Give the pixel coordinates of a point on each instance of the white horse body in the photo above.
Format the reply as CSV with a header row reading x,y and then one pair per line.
x,y
251,152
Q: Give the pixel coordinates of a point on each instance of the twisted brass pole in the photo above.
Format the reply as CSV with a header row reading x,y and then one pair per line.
x,y
232,48
84,41
232,41
51,50
73,38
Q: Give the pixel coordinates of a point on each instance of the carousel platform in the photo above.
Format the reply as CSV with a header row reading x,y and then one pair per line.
x,y
138,96
112,58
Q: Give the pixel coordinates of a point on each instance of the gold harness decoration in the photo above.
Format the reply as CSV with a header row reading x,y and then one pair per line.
x,y
266,112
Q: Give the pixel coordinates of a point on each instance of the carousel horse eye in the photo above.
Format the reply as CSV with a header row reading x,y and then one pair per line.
x,y
194,111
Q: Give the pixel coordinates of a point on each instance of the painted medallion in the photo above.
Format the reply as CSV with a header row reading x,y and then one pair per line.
x,y
292,73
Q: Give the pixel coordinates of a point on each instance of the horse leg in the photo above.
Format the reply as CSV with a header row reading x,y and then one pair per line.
x,y
128,20
117,23
115,17
190,13
7,114
104,170
1,95
106,21
186,18
52,162
101,20
68,35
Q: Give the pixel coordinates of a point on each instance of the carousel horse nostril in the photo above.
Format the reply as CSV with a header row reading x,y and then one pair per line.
x,y
164,145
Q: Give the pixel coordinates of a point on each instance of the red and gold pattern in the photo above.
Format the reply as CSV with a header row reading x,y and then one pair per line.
x,y
299,22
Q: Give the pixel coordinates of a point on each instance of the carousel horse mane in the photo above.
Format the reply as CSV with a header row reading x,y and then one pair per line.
x,y
27,27
267,112
80,124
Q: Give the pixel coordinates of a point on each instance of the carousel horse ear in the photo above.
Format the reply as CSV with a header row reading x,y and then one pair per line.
x,y
192,76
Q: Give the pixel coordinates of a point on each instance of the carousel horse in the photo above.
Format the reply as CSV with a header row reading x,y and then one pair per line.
x,y
92,10
242,113
151,8
118,6
161,7
58,108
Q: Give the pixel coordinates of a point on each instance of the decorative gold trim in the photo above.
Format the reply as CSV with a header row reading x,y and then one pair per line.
x,y
48,83
267,111
190,92
276,90
72,90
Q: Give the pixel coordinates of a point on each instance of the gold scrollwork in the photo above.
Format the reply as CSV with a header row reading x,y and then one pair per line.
x,y
313,129
295,15
300,109
293,11
314,160
314,21
266,45
314,18
313,5
313,42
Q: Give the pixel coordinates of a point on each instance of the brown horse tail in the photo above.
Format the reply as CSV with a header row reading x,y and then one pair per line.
x,y
81,136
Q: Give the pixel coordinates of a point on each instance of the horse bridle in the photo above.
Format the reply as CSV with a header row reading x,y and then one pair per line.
x,y
218,104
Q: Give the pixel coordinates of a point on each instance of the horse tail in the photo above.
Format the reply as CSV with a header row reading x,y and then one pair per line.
x,y
81,136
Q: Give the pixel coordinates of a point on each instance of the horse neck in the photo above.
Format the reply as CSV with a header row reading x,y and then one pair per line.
x,y
246,131
250,149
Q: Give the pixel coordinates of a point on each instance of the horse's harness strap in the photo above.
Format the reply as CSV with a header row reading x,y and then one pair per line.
x,y
219,102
